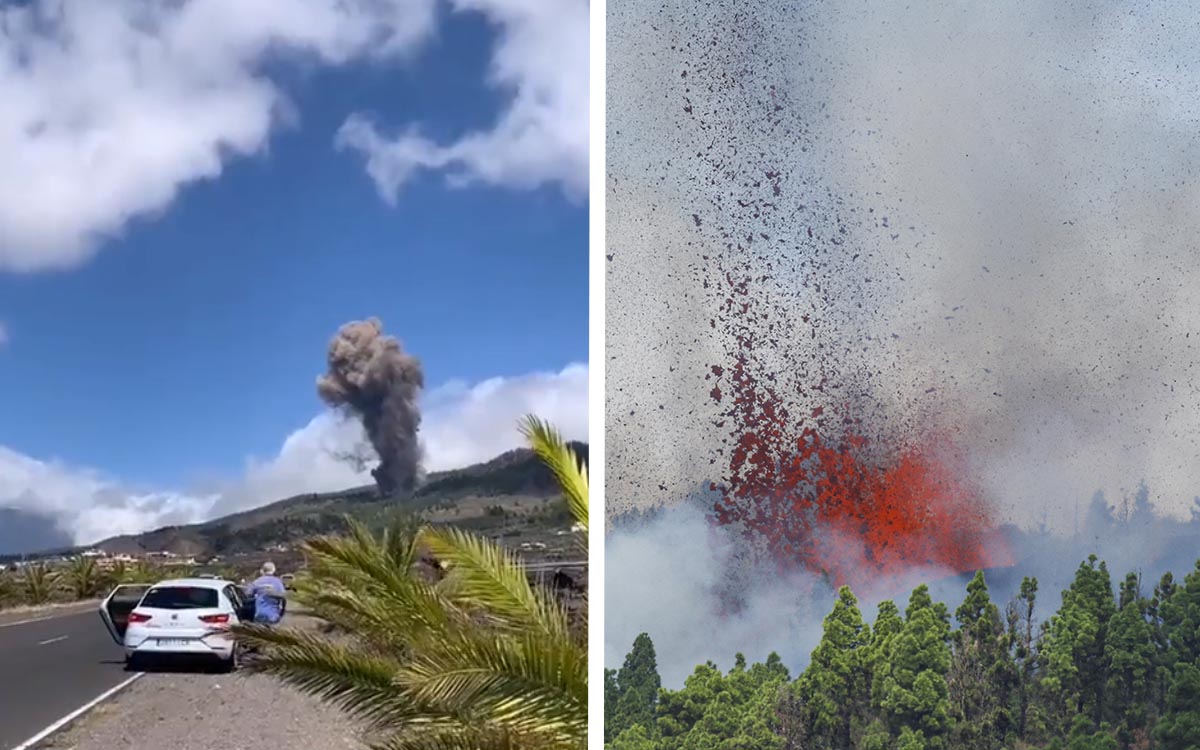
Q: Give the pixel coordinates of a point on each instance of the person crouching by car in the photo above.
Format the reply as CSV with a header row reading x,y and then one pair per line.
x,y
269,596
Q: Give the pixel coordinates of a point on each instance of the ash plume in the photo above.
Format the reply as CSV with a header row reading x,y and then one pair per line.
x,y
372,378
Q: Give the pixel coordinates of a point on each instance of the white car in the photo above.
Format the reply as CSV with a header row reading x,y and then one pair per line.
x,y
183,617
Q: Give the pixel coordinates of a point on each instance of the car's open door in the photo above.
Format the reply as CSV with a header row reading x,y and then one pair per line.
x,y
115,609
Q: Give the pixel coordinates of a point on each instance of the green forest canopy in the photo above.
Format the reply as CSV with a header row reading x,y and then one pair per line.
x,y
1107,670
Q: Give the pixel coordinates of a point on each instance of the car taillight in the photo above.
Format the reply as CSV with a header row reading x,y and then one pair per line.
x,y
135,617
215,619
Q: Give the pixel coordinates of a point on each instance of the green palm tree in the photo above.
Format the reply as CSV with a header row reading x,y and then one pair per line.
x,y
8,588
83,578
467,655
140,572
38,583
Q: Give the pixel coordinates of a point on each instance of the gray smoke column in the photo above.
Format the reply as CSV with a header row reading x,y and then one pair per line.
x,y
372,377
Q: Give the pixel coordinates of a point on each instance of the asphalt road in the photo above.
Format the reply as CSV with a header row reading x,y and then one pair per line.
x,y
50,667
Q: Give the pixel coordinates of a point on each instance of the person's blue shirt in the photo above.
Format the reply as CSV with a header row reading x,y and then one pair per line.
x,y
267,608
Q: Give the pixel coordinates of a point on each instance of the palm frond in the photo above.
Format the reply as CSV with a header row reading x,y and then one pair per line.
x,y
489,578
548,444
429,737
524,683
362,684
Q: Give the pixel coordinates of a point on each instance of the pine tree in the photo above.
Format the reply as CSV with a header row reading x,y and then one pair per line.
x,y
1076,665
915,694
637,686
633,738
1024,652
1179,727
879,653
1181,620
1085,736
1163,663
982,673
834,688
756,691
1129,650
732,712
612,694
680,710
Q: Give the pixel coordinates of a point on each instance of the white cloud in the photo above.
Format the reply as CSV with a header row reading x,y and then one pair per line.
x,y
541,56
463,424
111,108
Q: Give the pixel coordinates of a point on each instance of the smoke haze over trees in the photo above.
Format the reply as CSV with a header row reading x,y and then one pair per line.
x,y
703,574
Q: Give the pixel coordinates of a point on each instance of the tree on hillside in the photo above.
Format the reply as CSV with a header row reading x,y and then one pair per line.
x,y
915,694
611,695
680,710
1181,620
734,711
636,737
1179,728
1129,650
982,674
756,690
834,690
476,658
1163,591
888,625
1023,641
1076,662
637,685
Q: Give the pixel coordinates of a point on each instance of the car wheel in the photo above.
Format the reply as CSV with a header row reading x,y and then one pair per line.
x,y
134,663
232,663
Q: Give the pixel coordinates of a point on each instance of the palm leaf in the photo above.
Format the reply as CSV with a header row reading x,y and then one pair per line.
x,y
363,684
491,579
523,683
424,737
548,444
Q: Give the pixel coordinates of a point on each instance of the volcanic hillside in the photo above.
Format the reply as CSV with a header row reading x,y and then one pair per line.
x,y
512,492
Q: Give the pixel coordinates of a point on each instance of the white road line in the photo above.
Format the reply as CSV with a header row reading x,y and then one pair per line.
x,y
25,622
34,740
48,641
43,618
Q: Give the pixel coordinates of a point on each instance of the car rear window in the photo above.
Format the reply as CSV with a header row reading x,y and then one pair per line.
x,y
180,597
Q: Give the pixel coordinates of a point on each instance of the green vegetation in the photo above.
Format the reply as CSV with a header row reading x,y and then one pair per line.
x,y
439,640
78,579
1103,672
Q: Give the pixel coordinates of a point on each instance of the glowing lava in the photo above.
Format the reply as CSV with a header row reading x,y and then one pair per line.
x,y
814,493
839,509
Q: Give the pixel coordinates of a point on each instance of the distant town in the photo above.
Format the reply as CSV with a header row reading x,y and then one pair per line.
x,y
106,561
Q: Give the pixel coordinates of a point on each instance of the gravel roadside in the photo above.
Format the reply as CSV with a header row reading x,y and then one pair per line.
x,y
197,711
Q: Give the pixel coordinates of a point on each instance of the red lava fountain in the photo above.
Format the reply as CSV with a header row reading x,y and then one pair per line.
x,y
814,493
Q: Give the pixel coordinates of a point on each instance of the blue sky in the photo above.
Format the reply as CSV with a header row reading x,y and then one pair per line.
x,y
158,348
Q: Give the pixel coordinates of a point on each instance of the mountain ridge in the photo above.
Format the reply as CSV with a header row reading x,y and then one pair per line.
x,y
512,477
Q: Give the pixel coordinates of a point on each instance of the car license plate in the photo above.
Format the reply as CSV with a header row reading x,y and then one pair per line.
x,y
172,642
